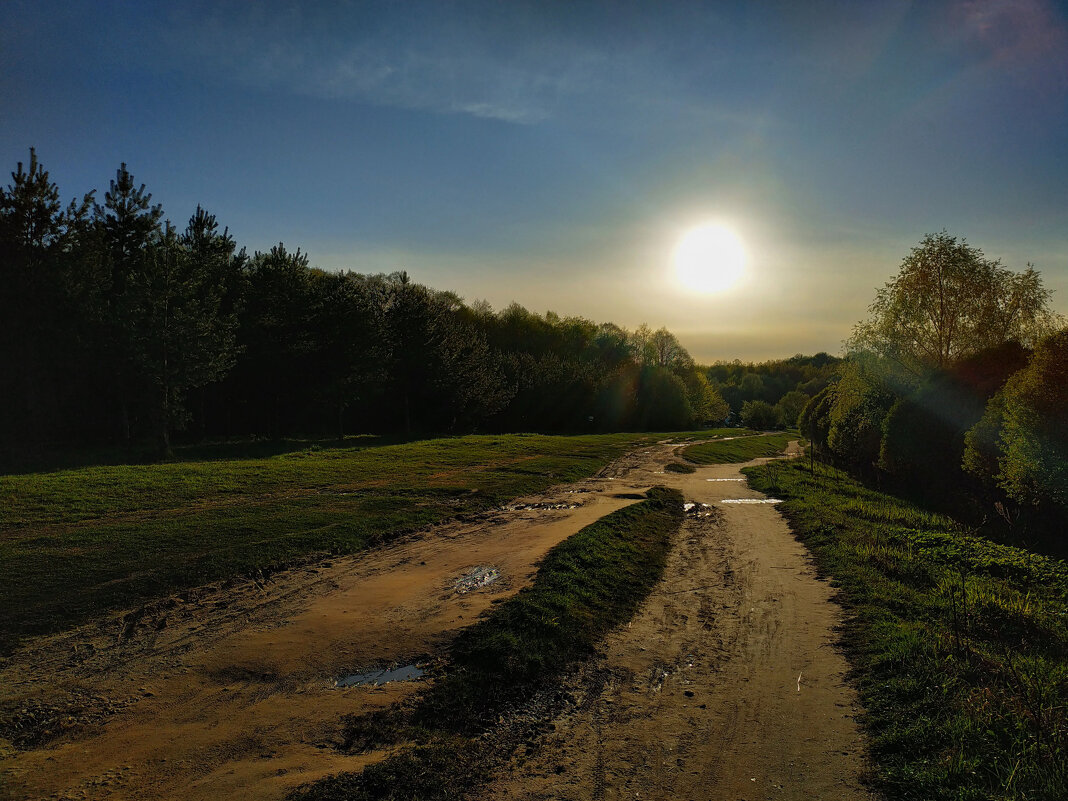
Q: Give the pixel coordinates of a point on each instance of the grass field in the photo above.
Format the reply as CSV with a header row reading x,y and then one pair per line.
x,y
960,645
78,542
585,586
740,449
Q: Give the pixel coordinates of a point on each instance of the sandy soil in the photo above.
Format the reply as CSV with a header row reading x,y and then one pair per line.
x,y
726,685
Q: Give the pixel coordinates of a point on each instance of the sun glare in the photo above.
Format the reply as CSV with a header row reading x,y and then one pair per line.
x,y
709,258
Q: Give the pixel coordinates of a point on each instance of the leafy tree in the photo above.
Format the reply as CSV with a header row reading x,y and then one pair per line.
x,y
861,402
790,406
1031,417
924,432
760,415
661,401
815,419
948,301
707,404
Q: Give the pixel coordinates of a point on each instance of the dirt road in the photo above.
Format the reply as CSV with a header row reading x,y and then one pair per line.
x,y
724,686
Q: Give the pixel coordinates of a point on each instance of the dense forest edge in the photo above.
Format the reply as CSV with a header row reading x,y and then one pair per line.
x,y
122,335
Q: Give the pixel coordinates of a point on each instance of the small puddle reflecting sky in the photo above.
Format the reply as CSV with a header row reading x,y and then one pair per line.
x,y
377,677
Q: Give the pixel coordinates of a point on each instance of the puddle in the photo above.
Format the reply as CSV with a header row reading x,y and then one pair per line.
x,y
752,500
724,479
629,496
477,578
529,507
376,678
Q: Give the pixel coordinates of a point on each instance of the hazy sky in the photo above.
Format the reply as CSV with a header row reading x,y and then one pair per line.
x,y
553,153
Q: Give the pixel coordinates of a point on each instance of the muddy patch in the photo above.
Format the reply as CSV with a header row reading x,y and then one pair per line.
x,y
476,579
699,509
751,500
533,507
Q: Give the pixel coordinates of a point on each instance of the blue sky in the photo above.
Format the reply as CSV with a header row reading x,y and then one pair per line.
x,y
553,153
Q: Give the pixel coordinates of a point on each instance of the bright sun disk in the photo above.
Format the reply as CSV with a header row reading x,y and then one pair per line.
x,y
709,258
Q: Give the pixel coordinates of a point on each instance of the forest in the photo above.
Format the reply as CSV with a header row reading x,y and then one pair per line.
x,y
955,394
117,327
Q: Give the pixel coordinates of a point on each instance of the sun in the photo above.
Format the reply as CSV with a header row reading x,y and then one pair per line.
x,y
710,258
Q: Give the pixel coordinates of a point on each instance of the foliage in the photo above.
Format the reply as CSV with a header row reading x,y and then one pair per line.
x,y
1030,418
815,420
585,586
790,406
771,381
855,420
949,301
924,432
760,415
959,645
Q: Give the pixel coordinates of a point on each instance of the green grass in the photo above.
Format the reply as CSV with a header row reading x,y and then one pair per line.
x,y
959,644
679,467
587,585
79,542
741,449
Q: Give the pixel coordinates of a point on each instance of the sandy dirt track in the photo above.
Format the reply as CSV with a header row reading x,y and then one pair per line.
x,y
726,685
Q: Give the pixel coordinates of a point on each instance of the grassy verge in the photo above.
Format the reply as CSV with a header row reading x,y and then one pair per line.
x,y
79,542
679,467
960,645
590,583
741,449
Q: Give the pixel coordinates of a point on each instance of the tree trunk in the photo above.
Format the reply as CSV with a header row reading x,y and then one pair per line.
x,y
163,425
124,420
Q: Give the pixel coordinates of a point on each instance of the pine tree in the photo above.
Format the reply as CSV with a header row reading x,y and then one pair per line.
x,y
35,234
127,228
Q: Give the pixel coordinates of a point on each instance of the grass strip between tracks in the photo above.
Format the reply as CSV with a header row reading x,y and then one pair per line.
x,y
587,585
959,645
740,449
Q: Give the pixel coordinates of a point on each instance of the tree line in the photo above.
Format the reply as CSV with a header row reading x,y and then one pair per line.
x,y
955,391
117,326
